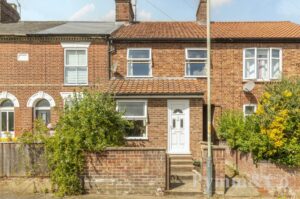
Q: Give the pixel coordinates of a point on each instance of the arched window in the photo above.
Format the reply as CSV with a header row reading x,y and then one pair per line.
x,y
42,111
7,118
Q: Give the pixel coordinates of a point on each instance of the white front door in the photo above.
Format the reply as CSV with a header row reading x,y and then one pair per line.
x,y
179,127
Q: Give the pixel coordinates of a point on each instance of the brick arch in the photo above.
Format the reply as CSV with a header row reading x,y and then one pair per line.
x,y
6,95
38,96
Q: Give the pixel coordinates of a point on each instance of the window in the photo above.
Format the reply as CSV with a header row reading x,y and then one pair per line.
x,y
139,63
196,60
76,66
69,97
262,64
135,111
7,117
249,109
42,111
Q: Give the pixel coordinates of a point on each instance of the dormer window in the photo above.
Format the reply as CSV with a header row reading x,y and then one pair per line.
x,y
196,60
139,62
262,64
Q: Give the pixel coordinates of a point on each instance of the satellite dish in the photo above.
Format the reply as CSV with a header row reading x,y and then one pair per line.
x,y
249,86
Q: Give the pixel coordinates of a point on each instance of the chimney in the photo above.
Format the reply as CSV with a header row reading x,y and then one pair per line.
x,y
124,11
8,12
202,12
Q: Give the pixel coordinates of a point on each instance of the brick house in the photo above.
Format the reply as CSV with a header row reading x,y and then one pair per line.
x,y
155,70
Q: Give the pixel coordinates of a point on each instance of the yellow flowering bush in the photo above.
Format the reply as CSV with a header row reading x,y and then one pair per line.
x,y
278,118
273,133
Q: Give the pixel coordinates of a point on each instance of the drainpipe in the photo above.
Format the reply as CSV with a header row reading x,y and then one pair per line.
x,y
109,57
209,144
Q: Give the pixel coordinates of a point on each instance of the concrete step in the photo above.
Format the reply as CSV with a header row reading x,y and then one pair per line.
x,y
181,162
181,168
180,157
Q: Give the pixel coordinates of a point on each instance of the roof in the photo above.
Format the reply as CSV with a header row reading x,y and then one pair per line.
x,y
58,28
220,30
122,87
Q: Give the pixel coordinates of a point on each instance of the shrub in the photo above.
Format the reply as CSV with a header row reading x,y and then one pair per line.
x,y
273,133
90,124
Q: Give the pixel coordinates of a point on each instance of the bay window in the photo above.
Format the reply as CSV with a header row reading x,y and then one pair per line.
x,y
262,64
135,111
196,60
139,62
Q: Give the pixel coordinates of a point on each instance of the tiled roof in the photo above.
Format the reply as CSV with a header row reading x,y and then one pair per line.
x,y
156,87
220,30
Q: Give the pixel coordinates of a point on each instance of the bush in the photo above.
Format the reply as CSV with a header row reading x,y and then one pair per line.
x,y
273,133
90,125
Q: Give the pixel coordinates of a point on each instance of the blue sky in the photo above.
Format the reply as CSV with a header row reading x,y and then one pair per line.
x,y
161,10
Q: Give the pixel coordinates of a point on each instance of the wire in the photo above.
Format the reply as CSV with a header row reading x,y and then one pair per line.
x,y
189,5
156,7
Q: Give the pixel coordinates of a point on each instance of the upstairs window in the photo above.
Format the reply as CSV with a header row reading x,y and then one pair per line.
x,y
262,64
196,60
139,62
135,111
249,109
76,67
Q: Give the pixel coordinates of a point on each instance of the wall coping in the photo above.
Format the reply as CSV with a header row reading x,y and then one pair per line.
x,y
134,149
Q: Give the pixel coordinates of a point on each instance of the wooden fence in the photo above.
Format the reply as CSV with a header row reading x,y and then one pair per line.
x,y
19,161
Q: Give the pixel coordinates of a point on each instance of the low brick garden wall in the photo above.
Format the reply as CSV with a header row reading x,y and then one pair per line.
x,y
126,171
270,178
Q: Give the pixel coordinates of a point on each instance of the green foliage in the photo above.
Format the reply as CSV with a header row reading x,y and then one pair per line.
x,y
273,133
90,125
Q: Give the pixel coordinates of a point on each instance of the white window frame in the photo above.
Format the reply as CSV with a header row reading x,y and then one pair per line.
x,y
144,118
194,60
246,105
41,109
69,95
79,66
139,60
270,60
7,110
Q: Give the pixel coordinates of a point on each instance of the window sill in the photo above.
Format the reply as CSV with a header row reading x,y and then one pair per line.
x,y
261,81
138,77
136,138
76,85
195,77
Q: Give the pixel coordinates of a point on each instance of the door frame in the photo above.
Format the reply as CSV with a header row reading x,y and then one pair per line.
x,y
187,129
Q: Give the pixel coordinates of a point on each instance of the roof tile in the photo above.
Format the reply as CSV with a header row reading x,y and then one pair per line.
x,y
156,87
220,30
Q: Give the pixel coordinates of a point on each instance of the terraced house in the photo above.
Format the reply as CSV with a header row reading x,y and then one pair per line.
x,y
155,70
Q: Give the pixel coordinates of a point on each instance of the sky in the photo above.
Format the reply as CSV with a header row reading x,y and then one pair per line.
x,y
160,10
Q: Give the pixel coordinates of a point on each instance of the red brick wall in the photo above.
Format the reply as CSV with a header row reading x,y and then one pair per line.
x,y
158,125
124,11
227,68
45,72
126,171
218,155
271,178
